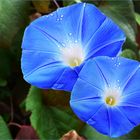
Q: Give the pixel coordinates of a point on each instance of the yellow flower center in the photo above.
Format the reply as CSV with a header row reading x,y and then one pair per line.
x,y
72,56
110,101
74,62
112,96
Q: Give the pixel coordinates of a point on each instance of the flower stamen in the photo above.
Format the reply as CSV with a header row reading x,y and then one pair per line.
x,y
72,56
110,100
112,96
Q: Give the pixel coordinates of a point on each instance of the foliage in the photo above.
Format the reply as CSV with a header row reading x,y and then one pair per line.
x,y
48,112
137,16
129,54
4,131
54,118
14,15
125,18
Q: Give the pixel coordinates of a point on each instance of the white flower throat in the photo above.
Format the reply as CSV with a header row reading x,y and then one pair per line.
x,y
112,96
72,56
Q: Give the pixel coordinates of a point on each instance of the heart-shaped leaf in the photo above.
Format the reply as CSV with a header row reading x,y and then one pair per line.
x,y
49,122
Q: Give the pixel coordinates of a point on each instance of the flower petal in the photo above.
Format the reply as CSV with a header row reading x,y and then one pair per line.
x,y
111,50
31,63
130,104
66,24
95,77
84,109
100,120
92,20
119,123
98,71
81,86
111,122
117,71
41,45
45,38
66,81
111,71
37,40
46,72
131,85
88,72
106,36
131,111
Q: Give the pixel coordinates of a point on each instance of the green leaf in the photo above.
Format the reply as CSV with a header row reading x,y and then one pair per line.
x,y
4,131
14,15
3,82
49,122
129,54
70,2
122,12
77,1
137,16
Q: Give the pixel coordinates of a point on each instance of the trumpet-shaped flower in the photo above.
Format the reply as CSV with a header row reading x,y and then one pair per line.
x,y
56,46
107,95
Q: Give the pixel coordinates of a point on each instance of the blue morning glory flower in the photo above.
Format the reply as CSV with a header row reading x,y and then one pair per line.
x,y
56,46
107,95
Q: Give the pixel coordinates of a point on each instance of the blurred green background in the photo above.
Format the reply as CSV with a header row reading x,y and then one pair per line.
x,y
31,113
